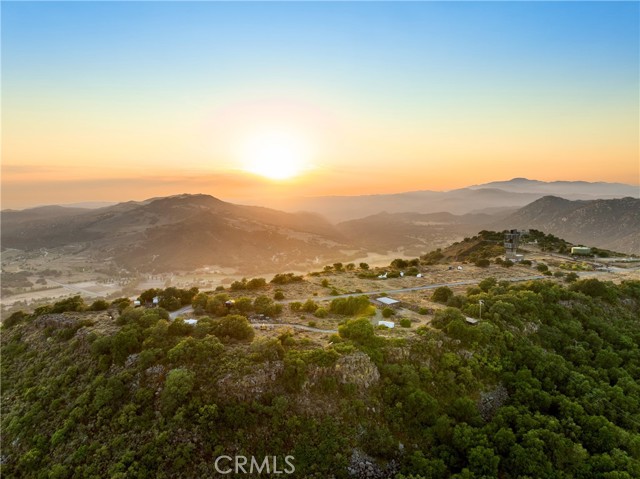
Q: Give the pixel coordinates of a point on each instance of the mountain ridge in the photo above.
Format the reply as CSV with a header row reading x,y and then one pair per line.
x,y
180,232
517,192
606,223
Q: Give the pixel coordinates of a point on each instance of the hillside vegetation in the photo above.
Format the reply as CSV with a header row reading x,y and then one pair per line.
x,y
545,386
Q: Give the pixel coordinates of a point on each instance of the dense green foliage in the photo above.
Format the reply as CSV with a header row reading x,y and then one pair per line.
x,y
350,306
252,284
442,294
170,298
286,278
547,385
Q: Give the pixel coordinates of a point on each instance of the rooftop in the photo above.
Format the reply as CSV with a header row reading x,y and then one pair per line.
x,y
388,301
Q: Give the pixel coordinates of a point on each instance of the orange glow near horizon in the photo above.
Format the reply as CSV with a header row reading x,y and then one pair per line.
x,y
325,98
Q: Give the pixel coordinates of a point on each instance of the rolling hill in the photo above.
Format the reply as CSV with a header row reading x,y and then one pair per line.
x,y
414,233
179,233
612,224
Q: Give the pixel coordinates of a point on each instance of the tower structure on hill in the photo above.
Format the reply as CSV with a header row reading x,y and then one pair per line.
x,y
511,242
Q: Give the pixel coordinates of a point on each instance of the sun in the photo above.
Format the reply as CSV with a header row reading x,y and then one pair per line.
x,y
277,155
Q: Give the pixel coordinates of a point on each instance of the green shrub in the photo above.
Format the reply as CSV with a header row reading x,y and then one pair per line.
x,y
234,327
571,277
14,319
350,306
267,349
309,306
359,330
99,305
442,294
286,278
177,387
487,283
388,312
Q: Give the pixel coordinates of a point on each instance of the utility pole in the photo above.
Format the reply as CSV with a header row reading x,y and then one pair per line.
x,y
481,302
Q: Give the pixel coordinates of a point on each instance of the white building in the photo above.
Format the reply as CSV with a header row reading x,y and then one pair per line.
x,y
388,301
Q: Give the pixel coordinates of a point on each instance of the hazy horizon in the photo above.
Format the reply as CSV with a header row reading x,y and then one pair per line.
x,y
246,101
97,203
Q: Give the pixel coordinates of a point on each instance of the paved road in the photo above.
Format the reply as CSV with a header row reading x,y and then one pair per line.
x,y
414,288
296,326
77,290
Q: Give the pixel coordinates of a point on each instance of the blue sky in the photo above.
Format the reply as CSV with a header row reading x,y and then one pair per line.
x,y
469,72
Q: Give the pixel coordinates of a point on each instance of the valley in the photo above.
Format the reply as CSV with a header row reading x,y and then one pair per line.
x,y
115,250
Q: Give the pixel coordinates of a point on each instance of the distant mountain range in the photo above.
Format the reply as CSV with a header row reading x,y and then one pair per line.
x,y
485,198
186,232
564,189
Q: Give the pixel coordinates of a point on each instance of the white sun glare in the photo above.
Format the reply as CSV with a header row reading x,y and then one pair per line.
x,y
277,155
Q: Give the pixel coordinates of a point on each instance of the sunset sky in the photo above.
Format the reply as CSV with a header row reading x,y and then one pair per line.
x,y
116,101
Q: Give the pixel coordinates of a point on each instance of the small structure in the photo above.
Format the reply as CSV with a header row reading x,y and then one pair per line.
x,y
383,276
136,303
388,324
459,268
192,322
155,300
230,303
388,301
511,242
471,321
581,250
419,275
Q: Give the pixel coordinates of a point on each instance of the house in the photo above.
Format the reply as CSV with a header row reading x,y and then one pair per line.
x,y
388,324
580,250
156,300
136,303
471,321
193,322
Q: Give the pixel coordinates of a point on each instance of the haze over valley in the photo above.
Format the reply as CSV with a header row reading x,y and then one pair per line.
x,y
216,242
